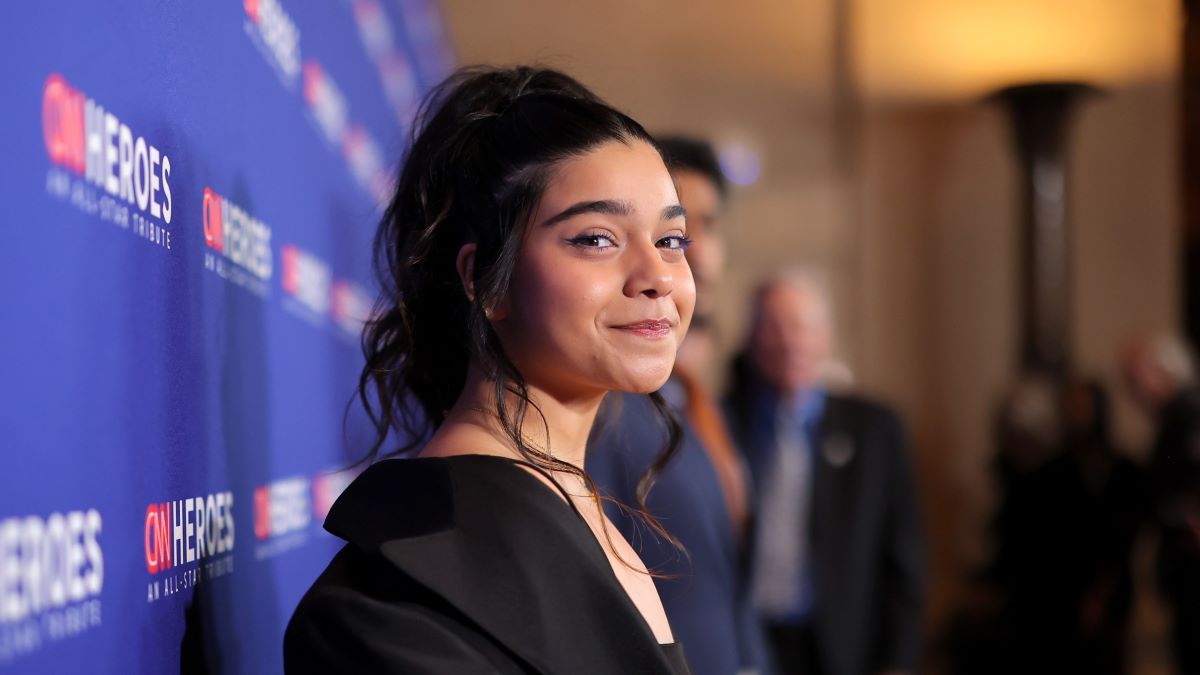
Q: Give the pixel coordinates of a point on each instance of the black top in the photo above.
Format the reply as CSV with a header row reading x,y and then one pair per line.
x,y
467,564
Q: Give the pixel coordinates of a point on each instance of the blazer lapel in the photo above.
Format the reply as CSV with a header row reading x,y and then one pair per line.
x,y
511,556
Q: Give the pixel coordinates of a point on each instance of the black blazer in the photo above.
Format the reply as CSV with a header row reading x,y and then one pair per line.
x,y
466,565
865,534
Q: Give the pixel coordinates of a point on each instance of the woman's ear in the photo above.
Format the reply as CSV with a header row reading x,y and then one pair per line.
x,y
465,264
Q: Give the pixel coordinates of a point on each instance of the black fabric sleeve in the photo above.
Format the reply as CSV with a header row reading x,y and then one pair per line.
x,y
338,630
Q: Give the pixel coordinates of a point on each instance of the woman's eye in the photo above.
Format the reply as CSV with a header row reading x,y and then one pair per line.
x,y
596,240
674,243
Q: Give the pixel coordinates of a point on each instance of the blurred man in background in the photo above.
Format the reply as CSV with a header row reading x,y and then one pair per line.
x,y
701,496
1161,375
703,191
837,571
1057,595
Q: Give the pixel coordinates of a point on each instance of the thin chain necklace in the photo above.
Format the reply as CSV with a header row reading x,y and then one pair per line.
x,y
537,446
549,452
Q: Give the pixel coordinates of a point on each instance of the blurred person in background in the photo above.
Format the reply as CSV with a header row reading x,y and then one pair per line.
x,y
1058,592
1105,492
1160,373
1027,428
701,497
837,569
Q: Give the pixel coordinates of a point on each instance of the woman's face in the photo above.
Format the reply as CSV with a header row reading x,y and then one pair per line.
x,y
602,294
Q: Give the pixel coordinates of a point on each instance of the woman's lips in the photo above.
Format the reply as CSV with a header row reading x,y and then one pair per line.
x,y
654,329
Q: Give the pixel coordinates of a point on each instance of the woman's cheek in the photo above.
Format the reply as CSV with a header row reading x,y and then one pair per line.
x,y
582,296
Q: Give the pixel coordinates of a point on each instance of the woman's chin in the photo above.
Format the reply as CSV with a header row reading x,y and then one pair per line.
x,y
647,378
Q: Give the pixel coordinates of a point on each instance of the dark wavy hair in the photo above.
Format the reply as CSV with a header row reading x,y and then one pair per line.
x,y
485,144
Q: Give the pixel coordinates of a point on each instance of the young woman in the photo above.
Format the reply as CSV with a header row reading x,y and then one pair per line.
x,y
532,261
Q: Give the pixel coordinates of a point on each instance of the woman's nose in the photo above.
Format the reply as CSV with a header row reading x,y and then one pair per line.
x,y
647,273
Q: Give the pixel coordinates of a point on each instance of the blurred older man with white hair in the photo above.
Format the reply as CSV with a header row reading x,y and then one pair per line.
x,y
838,565
1160,373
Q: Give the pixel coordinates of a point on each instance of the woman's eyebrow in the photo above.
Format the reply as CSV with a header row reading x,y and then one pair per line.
x,y
612,207
673,211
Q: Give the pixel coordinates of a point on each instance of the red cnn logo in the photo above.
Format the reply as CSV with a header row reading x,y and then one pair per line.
x,y
291,269
262,513
158,537
314,81
62,124
213,227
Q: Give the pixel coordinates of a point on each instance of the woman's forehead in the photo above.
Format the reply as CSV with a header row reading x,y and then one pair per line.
x,y
632,175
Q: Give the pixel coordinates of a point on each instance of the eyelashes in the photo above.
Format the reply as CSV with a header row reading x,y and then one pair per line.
x,y
593,240
599,241
679,242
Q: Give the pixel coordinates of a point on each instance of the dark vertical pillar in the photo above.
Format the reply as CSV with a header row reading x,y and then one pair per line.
x,y
1041,116
846,121
1189,129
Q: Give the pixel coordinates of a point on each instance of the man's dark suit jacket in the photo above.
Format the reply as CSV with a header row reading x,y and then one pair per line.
x,y
865,543
703,591
466,565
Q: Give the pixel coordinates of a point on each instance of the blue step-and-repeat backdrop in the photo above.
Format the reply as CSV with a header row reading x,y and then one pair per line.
x,y
189,191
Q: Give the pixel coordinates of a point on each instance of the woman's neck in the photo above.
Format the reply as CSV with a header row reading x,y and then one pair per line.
x,y
561,430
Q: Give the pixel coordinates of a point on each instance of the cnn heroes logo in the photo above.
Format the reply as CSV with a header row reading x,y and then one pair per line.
x,y
51,577
313,293
326,102
276,35
239,245
274,32
282,514
395,72
101,166
284,509
181,533
306,280
359,150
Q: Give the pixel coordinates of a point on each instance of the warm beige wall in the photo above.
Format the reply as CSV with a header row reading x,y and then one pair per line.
x,y
938,301
1127,246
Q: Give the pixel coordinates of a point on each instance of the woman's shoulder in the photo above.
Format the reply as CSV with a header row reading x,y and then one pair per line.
x,y
412,498
445,552
360,616
391,499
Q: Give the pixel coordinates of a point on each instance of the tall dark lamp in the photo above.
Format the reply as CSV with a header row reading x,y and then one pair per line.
x,y
953,51
1041,116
